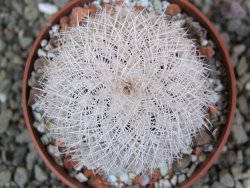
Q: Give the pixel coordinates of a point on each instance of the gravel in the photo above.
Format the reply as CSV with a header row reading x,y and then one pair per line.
x,y
21,176
18,156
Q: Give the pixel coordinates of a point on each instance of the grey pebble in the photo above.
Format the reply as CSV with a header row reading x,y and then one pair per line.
x,y
40,174
2,45
239,134
217,185
191,170
242,66
21,176
31,12
226,179
5,177
5,118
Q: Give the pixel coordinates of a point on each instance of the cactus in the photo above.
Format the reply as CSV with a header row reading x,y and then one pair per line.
x,y
126,91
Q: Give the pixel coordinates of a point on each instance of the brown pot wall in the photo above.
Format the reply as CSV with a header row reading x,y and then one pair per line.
x,y
213,34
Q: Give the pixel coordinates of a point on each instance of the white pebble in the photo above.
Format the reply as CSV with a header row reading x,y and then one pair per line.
x,y
247,86
131,175
44,42
81,177
156,185
193,158
46,139
112,179
41,53
3,97
37,116
48,47
53,150
145,179
174,180
163,169
204,42
165,4
125,178
51,55
166,184
181,178
47,8
55,28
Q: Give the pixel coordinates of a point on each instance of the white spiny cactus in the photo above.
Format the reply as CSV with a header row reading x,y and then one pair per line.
x,y
125,92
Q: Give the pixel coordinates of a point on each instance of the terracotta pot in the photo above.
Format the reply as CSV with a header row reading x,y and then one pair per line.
x,y
187,7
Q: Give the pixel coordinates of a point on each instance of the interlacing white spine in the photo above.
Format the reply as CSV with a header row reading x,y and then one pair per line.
x,y
125,92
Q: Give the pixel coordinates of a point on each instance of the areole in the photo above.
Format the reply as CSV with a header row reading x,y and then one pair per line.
x,y
187,7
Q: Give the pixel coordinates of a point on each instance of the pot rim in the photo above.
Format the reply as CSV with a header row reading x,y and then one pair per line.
x,y
192,11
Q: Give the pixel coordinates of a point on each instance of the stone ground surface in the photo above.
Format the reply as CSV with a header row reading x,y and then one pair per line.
x,y
20,165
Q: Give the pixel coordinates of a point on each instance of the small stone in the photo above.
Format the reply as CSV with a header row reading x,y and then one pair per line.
x,y
30,159
80,177
242,66
239,49
41,53
204,137
166,183
239,134
145,179
25,42
5,118
206,52
46,139
247,86
238,184
202,157
246,183
163,169
5,177
53,150
2,45
40,64
31,12
40,175
226,179
182,163
50,55
174,180
173,9
237,172
43,43
112,179
21,176
217,185
246,175
233,9
191,170
125,179
22,138
55,28
40,127
131,175
204,42
194,158
181,178
47,8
